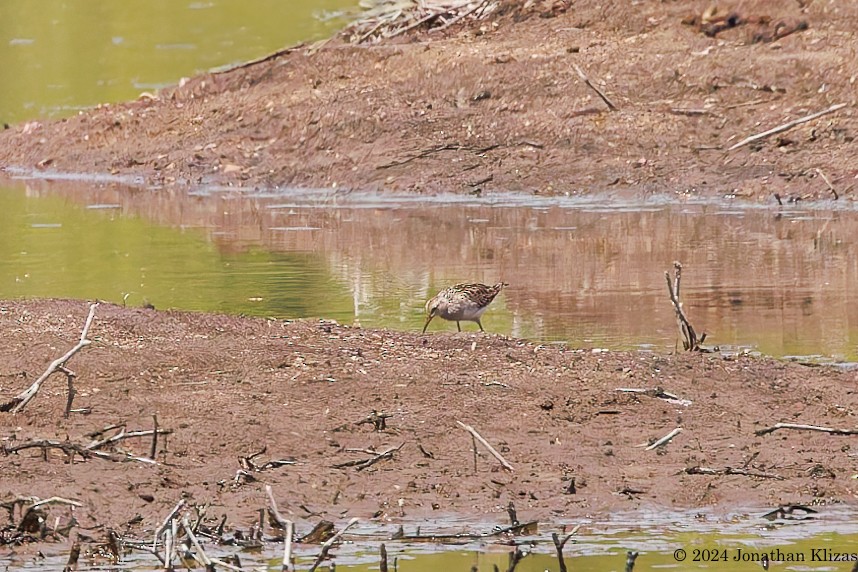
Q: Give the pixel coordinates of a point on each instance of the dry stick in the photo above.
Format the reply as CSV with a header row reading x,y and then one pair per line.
x,y
202,553
327,545
22,399
74,554
689,337
382,565
797,427
179,506
630,560
153,450
52,500
474,445
586,80
514,559
732,471
786,126
226,565
70,375
287,547
278,518
827,182
168,550
657,393
485,444
126,435
72,448
364,463
664,440
559,544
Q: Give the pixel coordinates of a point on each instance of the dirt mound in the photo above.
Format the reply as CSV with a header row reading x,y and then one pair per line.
x,y
499,105
228,387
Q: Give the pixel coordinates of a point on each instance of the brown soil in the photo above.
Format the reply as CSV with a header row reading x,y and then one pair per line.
x,y
498,102
498,106
229,386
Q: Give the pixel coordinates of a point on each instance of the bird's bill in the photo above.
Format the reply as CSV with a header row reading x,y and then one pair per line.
x,y
428,319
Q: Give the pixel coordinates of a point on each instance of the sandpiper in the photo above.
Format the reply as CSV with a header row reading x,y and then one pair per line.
x,y
462,303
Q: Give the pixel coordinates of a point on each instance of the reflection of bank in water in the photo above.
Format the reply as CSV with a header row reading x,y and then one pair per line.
x,y
579,271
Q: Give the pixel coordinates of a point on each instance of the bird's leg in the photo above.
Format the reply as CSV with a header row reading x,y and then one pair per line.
x,y
458,325
480,325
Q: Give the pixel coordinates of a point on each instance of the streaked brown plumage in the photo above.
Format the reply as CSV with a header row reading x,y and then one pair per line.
x,y
462,303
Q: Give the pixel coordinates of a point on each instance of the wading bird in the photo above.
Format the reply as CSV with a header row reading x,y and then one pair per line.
x,y
462,303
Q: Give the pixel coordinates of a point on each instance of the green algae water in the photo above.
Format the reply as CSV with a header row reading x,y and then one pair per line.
x,y
61,56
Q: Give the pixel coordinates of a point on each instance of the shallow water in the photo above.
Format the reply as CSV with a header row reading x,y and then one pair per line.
x,y
585,271
61,56
710,542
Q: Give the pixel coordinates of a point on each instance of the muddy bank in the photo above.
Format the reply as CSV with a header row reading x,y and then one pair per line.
x,y
227,387
498,105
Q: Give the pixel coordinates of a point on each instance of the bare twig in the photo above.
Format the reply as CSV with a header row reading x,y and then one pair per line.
x,y
17,404
518,529
168,550
689,336
166,524
206,561
590,84
227,565
70,375
514,558
664,440
330,542
287,547
732,471
657,393
74,554
70,449
786,126
630,560
798,427
827,182
153,450
559,544
123,434
40,503
364,463
272,507
485,444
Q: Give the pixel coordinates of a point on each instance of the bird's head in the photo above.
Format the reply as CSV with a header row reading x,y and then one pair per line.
x,y
431,311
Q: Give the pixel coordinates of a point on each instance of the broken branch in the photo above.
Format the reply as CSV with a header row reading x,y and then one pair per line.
x,y
485,444
657,393
799,427
330,542
786,126
732,471
664,440
20,401
364,463
827,182
559,544
590,84
689,336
